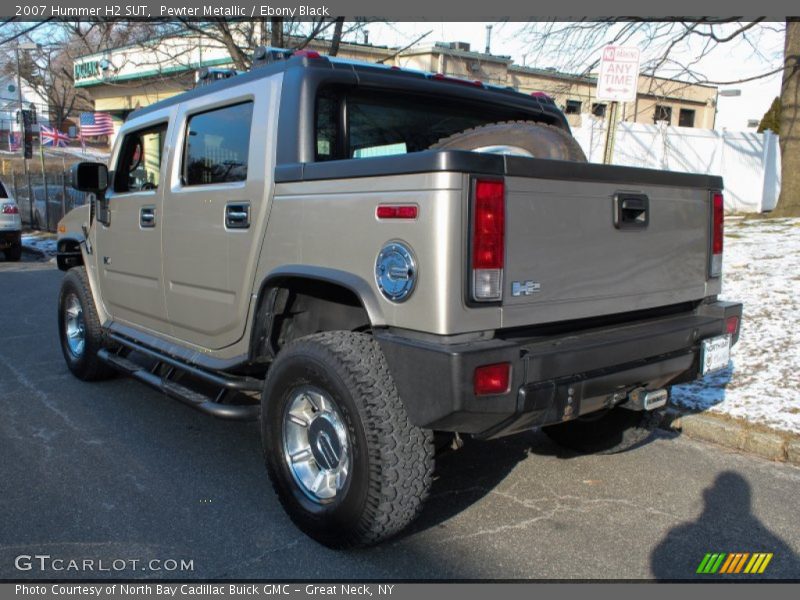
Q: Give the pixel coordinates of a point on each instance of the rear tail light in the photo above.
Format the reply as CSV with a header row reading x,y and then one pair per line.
x,y
488,241
718,225
10,209
492,379
732,325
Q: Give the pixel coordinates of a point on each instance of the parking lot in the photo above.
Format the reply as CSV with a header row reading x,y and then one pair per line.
x,y
115,471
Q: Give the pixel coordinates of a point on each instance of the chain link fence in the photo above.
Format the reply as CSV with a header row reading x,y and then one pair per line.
x,y
43,199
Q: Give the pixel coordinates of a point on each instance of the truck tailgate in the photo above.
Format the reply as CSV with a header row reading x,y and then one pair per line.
x,y
566,256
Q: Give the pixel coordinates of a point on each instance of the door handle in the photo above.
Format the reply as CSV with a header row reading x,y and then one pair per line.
x,y
237,215
147,216
631,211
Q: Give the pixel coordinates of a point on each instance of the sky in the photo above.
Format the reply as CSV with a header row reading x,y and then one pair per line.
x,y
759,53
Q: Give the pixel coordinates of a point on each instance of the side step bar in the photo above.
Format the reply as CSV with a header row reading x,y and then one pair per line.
x,y
240,384
198,401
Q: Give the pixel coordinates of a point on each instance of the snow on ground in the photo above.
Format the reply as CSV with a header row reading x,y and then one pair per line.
x,y
43,243
762,383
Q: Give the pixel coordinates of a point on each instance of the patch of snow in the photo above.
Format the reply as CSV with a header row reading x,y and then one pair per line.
x,y
41,243
762,383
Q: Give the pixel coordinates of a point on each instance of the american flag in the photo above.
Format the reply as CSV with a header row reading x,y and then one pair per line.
x,y
13,141
52,137
94,124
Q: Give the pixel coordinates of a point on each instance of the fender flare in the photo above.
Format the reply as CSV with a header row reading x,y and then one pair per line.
x,y
353,283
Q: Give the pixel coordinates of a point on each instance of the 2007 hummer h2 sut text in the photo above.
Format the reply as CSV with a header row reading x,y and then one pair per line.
x,y
375,262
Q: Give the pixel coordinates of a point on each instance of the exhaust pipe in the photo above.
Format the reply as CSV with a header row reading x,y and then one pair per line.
x,y
643,399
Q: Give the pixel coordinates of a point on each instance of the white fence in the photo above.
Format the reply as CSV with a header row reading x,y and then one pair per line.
x,y
750,163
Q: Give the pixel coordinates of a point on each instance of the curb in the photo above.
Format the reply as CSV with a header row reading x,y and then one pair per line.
x,y
735,434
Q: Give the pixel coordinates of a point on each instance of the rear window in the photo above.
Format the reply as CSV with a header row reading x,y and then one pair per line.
x,y
354,124
3,192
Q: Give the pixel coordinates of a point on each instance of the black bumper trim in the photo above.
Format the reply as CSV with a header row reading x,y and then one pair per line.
x,y
10,238
435,379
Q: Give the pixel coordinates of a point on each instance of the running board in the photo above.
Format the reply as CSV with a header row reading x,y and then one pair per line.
x,y
198,401
231,382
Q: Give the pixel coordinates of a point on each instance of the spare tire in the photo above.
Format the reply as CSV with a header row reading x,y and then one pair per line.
x,y
520,138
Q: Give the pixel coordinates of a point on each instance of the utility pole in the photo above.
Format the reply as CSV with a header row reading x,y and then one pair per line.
x,y
23,132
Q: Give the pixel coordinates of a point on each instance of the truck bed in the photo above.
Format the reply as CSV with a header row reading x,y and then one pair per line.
x,y
566,256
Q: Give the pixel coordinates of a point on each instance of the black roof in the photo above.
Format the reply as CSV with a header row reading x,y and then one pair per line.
x,y
368,73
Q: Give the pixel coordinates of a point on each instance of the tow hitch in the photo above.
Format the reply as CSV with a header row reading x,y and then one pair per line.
x,y
643,399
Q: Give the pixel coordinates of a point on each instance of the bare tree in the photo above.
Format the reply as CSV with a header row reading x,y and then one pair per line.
x,y
48,69
676,49
241,38
789,201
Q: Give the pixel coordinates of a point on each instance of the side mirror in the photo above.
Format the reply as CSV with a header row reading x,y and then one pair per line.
x,y
89,177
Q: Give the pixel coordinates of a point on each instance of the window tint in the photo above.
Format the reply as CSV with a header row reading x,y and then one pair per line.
x,y
217,145
139,164
3,193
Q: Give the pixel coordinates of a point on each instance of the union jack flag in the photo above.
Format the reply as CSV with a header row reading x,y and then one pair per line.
x,y
94,124
51,136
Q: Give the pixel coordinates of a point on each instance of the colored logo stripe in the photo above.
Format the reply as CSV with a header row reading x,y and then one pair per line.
x,y
758,563
711,563
734,562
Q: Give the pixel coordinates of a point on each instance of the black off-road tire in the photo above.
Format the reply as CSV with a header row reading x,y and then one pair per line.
x,y
14,253
541,140
87,366
391,459
614,431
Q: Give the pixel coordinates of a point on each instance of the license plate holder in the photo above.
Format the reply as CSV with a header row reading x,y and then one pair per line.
x,y
715,353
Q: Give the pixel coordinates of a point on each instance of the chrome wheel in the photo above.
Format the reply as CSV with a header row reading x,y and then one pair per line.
x,y
315,444
74,326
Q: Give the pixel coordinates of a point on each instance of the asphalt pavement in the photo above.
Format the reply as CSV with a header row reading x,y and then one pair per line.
x,y
114,471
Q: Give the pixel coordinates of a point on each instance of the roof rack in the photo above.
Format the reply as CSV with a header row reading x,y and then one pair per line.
x,y
265,55
208,75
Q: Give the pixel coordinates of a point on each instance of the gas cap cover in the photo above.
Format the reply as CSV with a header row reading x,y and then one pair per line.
x,y
396,271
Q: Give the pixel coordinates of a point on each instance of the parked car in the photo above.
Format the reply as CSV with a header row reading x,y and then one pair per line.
x,y
55,194
10,225
375,262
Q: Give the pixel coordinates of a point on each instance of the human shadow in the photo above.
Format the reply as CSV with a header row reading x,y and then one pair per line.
x,y
727,525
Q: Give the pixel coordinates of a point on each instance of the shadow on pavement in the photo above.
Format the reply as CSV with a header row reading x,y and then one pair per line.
x,y
727,524
463,477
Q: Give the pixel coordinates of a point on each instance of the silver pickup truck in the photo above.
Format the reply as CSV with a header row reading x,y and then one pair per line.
x,y
377,263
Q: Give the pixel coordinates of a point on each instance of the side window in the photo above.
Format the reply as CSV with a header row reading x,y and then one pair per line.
x,y
139,164
217,143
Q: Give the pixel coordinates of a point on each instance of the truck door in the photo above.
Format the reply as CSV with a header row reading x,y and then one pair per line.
x,y
129,248
215,211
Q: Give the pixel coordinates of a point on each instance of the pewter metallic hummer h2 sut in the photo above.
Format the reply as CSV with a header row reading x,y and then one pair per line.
x,y
378,263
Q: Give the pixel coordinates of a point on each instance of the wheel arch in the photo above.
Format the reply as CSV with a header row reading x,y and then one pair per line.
x,y
69,252
329,298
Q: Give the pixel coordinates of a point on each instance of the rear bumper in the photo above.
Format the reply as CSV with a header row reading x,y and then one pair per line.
x,y
554,377
9,239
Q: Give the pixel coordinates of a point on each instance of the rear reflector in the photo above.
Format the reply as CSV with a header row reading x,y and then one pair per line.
x,y
718,225
488,240
492,379
403,211
732,325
